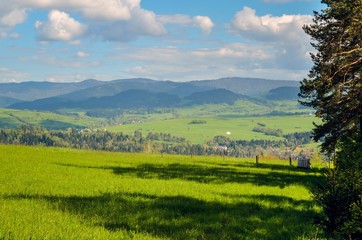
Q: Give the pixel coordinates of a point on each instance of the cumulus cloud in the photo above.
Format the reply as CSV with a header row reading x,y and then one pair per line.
x,y
284,34
115,20
268,28
141,23
59,27
202,22
109,10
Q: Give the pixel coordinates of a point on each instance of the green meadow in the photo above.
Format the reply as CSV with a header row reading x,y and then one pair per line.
x,y
11,118
58,193
235,121
238,126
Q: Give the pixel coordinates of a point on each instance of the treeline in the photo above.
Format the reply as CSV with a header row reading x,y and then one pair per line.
x,y
292,138
116,112
152,143
269,131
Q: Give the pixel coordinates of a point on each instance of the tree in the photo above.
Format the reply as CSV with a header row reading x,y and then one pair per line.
x,y
334,87
334,90
340,194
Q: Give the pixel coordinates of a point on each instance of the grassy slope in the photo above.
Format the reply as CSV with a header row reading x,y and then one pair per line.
x,y
13,118
240,127
48,193
220,119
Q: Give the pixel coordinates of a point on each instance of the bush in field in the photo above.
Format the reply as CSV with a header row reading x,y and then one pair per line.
x,y
198,122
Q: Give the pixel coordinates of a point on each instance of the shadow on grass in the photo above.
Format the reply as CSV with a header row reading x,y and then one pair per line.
x,y
273,167
180,217
219,175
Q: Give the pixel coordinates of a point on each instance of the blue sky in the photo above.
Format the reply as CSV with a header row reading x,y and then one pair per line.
x,y
66,40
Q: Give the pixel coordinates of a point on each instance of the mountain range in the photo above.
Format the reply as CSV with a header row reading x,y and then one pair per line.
x,y
141,92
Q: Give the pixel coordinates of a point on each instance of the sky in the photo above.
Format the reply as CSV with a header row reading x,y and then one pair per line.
x,y
177,40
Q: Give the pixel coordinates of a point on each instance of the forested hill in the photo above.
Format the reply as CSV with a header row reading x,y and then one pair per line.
x,y
130,99
35,90
254,87
140,92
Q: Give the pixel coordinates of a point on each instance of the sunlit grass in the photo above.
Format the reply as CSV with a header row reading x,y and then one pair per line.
x,y
55,193
13,118
239,126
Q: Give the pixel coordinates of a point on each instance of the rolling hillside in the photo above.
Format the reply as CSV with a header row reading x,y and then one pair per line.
x,y
27,91
134,98
147,93
253,87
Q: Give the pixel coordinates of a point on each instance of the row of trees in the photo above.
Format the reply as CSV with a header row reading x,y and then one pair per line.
x,y
152,143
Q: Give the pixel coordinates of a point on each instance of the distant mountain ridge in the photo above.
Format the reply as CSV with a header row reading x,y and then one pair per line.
x,y
253,87
283,93
27,91
134,98
138,92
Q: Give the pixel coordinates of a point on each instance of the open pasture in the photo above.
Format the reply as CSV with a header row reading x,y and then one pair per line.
x,y
11,118
233,126
57,193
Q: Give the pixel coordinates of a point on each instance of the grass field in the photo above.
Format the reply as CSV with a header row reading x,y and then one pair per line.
x,y
55,193
237,120
11,118
239,127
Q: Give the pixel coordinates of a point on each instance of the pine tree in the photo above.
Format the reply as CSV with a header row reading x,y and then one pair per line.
x,y
334,87
334,90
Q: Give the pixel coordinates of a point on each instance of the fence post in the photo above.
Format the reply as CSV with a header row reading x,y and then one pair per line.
x,y
257,159
290,161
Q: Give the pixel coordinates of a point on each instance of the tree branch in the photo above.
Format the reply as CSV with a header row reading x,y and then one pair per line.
x,y
346,66
349,52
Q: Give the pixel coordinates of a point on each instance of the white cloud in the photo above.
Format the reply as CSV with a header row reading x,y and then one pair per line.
x,y
5,34
284,34
126,16
8,75
232,59
10,19
268,28
13,18
202,22
77,77
109,10
141,23
146,22
190,64
81,54
59,27
115,20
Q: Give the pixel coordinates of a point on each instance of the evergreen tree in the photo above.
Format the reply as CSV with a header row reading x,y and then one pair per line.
x,y
334,90
334,87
